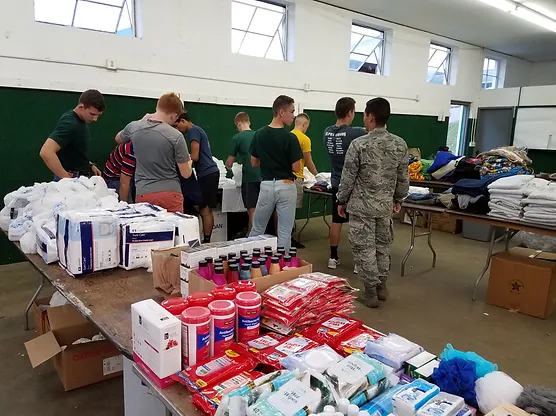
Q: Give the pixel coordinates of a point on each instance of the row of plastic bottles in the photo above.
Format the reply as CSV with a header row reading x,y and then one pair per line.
x,y
232,268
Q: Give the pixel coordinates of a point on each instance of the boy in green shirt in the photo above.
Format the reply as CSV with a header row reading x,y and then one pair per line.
x,y
65,152
239,152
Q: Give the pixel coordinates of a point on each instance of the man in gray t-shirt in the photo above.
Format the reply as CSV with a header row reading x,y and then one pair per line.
x,y
158,148
337,139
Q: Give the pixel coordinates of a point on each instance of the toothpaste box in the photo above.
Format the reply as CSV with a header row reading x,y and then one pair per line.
x,y
87,241
156,341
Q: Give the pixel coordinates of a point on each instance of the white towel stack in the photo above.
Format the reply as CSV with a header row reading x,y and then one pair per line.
x,y
506,195
540,204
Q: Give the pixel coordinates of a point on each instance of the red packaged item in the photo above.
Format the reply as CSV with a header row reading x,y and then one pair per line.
x,y
262,342
285,296
208,399
357,340
200,299
223,293
332,330
175,305
307,286
289,345
244,286
221,367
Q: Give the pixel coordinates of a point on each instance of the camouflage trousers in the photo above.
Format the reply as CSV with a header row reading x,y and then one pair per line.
x,y
370,240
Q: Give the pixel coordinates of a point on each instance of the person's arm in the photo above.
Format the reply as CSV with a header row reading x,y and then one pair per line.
x,y
256,163
194,138
296,166
253,149
124,136
230,161
309,163
125,184
294,153
349,174
185,169
182,157
195,150
51,160
232,153
402,181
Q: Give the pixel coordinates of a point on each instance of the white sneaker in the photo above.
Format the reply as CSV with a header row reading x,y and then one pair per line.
x,y
333,263
355,271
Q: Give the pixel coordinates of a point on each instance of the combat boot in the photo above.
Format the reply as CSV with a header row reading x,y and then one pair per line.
x,y
382,291
369,297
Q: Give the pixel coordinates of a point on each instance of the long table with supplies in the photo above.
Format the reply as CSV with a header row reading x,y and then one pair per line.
x,y
437,186
511,228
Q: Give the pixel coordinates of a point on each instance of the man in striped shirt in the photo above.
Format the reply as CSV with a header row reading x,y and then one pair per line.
x,y
119,169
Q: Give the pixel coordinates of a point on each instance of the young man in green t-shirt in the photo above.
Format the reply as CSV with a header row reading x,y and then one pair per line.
x,y
239,152
65,152
277,152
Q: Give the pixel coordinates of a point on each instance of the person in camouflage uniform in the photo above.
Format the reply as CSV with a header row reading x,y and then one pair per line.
x,y
374,182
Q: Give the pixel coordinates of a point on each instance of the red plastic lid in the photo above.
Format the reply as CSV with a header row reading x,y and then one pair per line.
x,y
244,286
248,299
200,299
195,315
222,307
175,305
223,293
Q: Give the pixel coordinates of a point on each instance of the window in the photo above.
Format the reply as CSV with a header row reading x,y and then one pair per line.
x,y
491,74
259,29
367,50
112,16
439,64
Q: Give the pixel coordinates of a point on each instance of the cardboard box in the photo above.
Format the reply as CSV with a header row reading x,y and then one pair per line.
x,y
77,365
156,341
446,222
507,409
40,317
220,226
198,284
523,280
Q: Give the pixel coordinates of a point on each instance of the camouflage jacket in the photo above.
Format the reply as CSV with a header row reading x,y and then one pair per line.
x,y
375,174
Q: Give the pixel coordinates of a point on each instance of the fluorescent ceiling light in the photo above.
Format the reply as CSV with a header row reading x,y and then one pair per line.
x,y
535,18
542,10
504,5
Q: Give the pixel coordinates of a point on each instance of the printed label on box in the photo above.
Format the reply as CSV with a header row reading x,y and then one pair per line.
x,y
112,365
351,369
292,397
292,346
336,323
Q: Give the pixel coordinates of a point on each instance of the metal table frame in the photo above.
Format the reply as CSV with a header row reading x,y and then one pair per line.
x,y
325,196
414,213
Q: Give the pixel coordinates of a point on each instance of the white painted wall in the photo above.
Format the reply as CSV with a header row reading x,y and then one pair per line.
x,y
186,48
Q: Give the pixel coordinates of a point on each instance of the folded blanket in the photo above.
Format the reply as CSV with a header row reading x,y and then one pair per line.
x,y
504,215
505,204
441,159
447,169
516,192
540,209
540,202
546,193
511,182
533,185
504,208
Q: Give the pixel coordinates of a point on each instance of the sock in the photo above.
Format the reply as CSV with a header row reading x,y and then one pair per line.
x,y
334,252
206,239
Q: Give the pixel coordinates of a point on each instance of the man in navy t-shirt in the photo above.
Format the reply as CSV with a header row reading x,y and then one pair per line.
x,y
206,170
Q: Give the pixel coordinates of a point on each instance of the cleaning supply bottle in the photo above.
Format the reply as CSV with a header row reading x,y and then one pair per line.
x,y
274,266
210,267
256,253
295,259
233,273
203,270
219,278
245,273
231,256
224,259
268,251
248,260
242,254
256,270
287,261
264,269
281,250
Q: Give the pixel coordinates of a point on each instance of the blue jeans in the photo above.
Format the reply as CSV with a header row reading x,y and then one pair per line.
x,y
281,196
114,184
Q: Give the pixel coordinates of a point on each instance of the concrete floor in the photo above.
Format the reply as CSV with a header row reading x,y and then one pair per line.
x,y
429,306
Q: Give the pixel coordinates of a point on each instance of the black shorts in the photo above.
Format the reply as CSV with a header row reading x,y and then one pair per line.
x,y
209,190
250,194
336,219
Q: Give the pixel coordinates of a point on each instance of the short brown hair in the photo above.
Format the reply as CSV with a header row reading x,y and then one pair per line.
x,y
242,117
380,109
280,103
170,103
344,106
92,98
302,115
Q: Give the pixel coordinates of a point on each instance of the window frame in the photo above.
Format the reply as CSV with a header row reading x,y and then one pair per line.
x,y
132,14
448,73
381,44
284,24
496,77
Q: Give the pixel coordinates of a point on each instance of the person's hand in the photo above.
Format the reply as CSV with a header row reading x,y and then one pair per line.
x,y
68,175
396,208
342,211
190,163
96,171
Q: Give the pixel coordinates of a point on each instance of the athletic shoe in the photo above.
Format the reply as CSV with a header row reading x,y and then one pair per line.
x,y
333,263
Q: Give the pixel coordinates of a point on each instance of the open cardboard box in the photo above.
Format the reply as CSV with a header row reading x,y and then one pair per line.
x,y
40,317
77,365
198,284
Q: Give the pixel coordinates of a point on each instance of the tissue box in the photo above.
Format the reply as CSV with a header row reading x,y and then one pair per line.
x,y
187,228
141,235
413,397
46,243
87,242
156,341
418,361
425,372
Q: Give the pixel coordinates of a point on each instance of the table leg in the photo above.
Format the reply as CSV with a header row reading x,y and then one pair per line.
x,y
307,219
429,241
35,295
413,217
325,204
487,264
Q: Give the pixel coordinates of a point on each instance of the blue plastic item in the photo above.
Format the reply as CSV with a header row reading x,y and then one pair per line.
x,y
382,405
483,367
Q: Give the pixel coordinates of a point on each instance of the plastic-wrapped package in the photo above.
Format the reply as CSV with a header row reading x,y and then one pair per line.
x,y
357,340
284,296
413,396
392,350
332,330
443,404
370,393
46,242
146,208
289,345
535,241
262,342
29,242
187,228
382,404
317,359
19,227
209,372
354,374
496,388
483,366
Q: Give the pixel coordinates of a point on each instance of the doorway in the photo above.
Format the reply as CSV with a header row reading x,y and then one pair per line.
x,y
494,128
457,128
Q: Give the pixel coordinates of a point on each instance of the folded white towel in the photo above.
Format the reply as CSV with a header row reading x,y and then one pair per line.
x,y
504,215
510,182
541,209
540,202
504,209
548,192
511,192
535,184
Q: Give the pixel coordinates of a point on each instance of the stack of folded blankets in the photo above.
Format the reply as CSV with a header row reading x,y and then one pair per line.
x,y
505,159
506,195
540,204
444,165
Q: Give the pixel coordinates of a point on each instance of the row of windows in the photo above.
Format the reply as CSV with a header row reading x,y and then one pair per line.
x,y
259,28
